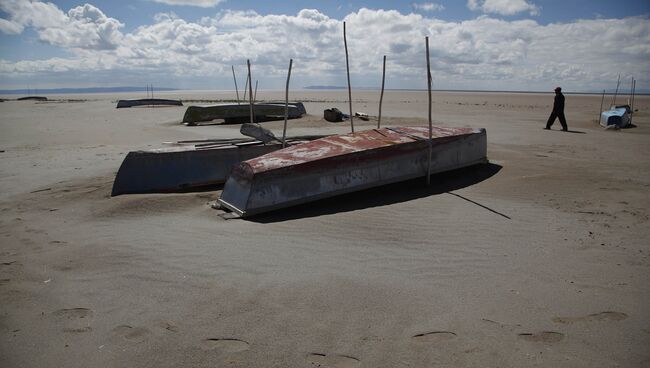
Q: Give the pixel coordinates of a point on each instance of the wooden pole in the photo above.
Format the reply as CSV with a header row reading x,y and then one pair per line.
x,y
629,98
430,124
152,105
286,107
250,88
601,106
255,95
347,66
616,93
245,88
633,94
632,105
381,96
235,79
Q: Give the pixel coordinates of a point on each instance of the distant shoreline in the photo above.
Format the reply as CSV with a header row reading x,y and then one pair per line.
x,y
39,91
31,92
336,88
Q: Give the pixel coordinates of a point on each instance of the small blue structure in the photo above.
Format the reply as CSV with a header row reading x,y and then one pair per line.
x,y
618,116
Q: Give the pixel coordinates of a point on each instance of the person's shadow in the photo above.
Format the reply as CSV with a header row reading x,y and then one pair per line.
x,y
567,131
386,194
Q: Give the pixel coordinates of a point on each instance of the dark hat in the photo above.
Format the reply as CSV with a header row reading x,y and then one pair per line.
x,y
558,89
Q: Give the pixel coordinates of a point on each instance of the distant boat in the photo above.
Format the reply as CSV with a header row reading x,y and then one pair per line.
x,y
346,163
32,98
618,116
189,164
240,113
148,102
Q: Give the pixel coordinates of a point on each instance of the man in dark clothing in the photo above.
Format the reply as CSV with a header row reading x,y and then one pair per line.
x,y
558,110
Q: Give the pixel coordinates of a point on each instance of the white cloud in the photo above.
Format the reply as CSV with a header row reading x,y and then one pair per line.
x,y
84,27
32,13
9,27
198,3
428,7
481,53
503,7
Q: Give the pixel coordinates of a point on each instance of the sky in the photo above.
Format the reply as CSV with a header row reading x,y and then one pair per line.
x,y
516,45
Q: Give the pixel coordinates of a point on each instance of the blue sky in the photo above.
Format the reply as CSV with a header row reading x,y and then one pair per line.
x,y
476,44
139,12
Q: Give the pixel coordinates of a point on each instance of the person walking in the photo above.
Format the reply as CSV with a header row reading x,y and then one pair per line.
x,y
558,110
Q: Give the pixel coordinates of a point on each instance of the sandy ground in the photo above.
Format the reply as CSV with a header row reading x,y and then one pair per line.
x,y
539,259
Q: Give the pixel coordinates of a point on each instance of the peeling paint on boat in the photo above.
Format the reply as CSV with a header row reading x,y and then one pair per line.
x,y
344,163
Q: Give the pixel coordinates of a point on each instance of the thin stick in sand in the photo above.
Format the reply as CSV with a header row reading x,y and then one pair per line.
x,y
250,88
381,96
347,67
633,94
616,93
235,79
601,106
245,88
286,107
430,125
629,98
255,94
632,100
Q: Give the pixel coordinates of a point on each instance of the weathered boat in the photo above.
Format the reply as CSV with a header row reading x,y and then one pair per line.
x,y
237,114
148,102
340,164
188,164
32,98
618,116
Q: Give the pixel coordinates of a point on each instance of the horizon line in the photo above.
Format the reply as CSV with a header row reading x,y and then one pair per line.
x,y
122,89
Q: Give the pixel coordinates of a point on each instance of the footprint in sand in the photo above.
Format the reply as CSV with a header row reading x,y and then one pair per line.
x,y
130,333
167,325
333,361
602,316
68,266
74,313
78,329
434,337
544,336
227,345
77,320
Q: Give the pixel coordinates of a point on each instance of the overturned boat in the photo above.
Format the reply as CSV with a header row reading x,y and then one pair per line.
x,y
237,114
148,102
618,116
340,164
185,165
32,98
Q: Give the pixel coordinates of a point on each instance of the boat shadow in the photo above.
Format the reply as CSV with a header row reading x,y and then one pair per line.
x,y
384,195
